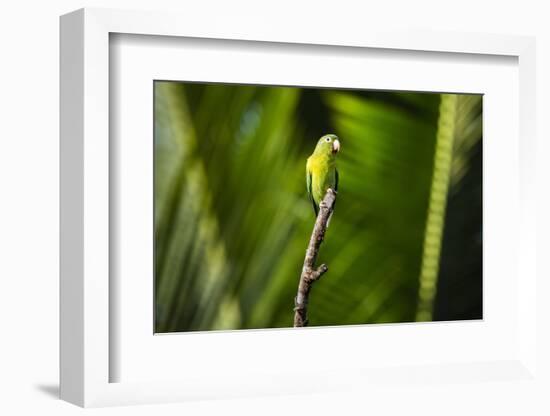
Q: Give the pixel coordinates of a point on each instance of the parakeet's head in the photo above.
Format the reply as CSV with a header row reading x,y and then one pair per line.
x,y
329,145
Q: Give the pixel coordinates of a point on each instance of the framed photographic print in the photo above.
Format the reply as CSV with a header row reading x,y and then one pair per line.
x,y
219,190
235,204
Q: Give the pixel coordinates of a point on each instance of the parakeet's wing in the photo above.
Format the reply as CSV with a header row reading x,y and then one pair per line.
x,y
310,192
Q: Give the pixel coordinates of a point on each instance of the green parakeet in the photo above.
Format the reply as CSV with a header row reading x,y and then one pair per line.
x,y
321,172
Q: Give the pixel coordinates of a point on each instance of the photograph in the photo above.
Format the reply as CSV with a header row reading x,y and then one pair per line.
x,y
288,206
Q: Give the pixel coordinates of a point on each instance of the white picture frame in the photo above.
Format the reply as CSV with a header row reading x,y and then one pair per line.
x,y
86,353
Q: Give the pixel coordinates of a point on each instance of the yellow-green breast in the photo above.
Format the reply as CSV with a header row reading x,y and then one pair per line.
x,y
323,175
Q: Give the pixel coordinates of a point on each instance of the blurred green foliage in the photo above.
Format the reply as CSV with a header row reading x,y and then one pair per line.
x,y
232,217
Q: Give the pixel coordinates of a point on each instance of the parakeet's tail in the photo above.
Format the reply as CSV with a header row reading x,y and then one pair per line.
x,y
330,216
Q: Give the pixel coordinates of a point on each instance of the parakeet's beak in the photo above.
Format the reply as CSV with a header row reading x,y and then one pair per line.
x,y
335,146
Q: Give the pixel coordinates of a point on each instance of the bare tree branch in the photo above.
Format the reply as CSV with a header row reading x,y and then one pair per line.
x,y
311,274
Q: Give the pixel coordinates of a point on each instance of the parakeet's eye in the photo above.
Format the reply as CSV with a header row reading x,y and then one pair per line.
x,y
327,139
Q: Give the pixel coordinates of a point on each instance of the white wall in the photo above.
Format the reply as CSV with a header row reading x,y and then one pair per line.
x,y
29,205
